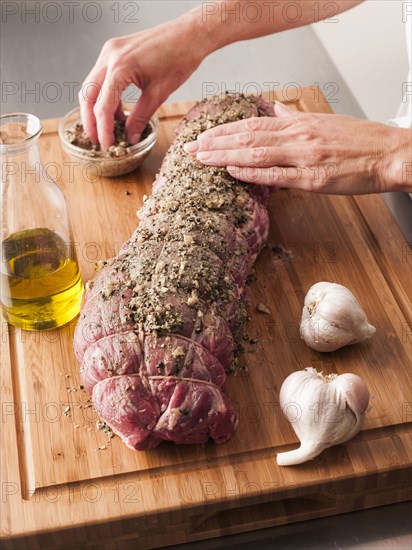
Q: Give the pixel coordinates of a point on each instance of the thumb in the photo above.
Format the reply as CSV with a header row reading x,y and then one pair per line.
x,y
140,116
282,110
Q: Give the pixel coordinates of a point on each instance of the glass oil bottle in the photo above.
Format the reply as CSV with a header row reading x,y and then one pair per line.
x,y
41,286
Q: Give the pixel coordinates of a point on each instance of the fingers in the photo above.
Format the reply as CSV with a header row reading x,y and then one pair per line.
x,y
253,124
294,177
88,96
100,104
108,105
255,156
119,114
262,142
116,67
141,114
250,139
315,179
234,141
285,117
282,110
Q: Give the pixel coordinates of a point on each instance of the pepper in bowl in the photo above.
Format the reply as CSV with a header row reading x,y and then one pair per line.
x,y
121,158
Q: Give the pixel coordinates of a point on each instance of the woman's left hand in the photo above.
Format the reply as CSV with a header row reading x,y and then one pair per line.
x,y
310,151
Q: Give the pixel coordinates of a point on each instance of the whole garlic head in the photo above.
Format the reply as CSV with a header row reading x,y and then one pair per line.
x,y
323,410
332,318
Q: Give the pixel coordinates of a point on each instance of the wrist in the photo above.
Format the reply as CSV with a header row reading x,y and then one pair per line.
x,y
195,34
212,25
396,171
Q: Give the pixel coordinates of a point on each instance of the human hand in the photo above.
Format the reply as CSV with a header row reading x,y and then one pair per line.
x,y
322,153
157,60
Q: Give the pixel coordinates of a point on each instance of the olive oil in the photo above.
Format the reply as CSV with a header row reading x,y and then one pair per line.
x,y
41,286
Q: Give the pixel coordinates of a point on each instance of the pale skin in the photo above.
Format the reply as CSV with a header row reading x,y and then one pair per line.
x,y
332,154
314,152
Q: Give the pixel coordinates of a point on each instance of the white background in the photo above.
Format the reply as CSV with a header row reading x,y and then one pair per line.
x,y
368,46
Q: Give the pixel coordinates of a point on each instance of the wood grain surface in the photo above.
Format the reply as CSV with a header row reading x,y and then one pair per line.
x,y
63,482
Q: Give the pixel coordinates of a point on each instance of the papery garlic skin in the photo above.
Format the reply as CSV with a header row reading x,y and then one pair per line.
x,y
332,318
323,410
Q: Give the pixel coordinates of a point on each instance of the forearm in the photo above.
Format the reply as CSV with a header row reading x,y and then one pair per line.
x,y
216,24
395,168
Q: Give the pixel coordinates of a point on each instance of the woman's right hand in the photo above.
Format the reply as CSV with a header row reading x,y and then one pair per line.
x,y
160,59
157,61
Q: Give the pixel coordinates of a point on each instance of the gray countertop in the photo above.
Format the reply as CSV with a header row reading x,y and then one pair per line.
x,y
46,52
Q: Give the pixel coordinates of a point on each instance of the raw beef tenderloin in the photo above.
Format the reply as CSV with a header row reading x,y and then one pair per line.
x,y
159,323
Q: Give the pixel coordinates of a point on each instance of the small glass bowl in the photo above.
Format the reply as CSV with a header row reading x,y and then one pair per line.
x,y
103,163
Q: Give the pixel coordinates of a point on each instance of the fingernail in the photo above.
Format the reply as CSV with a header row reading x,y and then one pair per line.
x,y
191,147
234,171
205,135
204,156
134,138
281,106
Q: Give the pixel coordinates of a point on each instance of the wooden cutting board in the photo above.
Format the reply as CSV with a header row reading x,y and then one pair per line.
x,y
62,482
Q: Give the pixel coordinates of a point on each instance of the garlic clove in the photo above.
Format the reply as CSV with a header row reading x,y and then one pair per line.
x,y
355,393
306,451
323,410
332,318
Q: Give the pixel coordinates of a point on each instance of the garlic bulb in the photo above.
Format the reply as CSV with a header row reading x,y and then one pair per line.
x,y
332,318
323,410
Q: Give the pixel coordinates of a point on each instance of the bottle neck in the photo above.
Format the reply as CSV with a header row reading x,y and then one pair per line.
x,y
21,165
30,198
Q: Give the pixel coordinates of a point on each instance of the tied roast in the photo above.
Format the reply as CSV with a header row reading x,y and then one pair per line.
x,y
160,321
